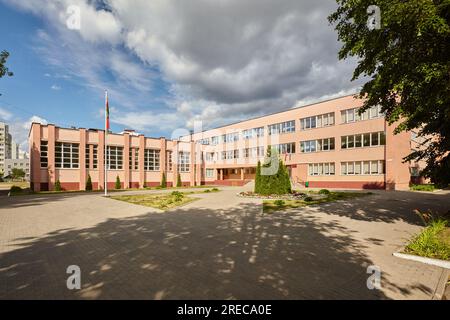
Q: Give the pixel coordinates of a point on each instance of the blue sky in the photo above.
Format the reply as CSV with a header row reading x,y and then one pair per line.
x,y
165,64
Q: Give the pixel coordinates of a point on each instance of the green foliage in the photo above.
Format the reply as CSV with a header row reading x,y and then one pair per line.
x,y
278,183
17,173
89,183
308,199
4,71
207,191
118,184
407,63
422,187
15,189
324,191
163,181
57,186
178,196
179,183
279,203
215,190
432,242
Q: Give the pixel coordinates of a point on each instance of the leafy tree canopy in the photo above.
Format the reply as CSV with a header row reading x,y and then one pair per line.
x,y
406,60
4,71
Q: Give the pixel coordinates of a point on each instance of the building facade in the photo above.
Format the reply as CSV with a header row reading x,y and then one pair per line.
x,y
5,145
325,145
23,164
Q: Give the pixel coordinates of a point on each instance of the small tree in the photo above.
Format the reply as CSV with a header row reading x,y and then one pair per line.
x,y
258,178
17,173
118,185
163,181
89,183
58,186
179,183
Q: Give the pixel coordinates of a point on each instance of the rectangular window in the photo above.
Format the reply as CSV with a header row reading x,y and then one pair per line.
x,y
184,161
209,156
134,165
210,173
214,140
169,161
44,154
283,127
358,141
363,140
285,148
231,154
319,121
230,137
373,167
114,157
252,133
204,141
151,159
87,156
66,155
374,140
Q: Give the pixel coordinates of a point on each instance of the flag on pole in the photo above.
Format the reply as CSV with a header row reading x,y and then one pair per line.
x,y
106,111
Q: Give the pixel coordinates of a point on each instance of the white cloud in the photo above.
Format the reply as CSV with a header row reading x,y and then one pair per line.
x,y
224,60
55,87
5,115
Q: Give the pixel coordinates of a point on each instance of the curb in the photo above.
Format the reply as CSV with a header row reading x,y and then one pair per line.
x,y
434,262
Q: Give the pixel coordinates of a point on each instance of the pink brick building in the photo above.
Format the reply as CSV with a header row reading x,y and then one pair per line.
x,y
326,144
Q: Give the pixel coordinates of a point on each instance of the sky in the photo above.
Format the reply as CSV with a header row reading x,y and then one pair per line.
x,y
165,63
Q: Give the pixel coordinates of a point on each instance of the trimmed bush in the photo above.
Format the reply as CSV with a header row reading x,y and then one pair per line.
x,y
215,190
118,185
89,183
278,183
207,191
179,183
163,181
308,199
279,203
324,191
57,186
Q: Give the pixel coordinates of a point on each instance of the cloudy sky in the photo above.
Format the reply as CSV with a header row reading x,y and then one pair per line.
x,y
165,63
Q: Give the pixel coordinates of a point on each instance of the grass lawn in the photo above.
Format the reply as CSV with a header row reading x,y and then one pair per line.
x,y
432,242
270,206
8,185
422,187
162,201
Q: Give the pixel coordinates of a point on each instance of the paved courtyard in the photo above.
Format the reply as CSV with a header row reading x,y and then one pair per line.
x,y
219,247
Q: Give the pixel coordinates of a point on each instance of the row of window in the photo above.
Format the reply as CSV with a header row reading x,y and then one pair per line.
x,y
318,121
363,140
67,157
373,167
317,145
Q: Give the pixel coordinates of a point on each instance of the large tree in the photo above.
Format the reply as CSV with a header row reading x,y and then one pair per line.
x,y
405,57
4,71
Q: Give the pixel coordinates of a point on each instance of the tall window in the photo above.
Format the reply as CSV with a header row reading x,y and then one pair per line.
x,y
352,115
209,157
66,155
210,173
94,156
114,157
363,140
214,140
283,127
168,160
319,169
44,154
323,120
134,165
362,167
204,141
184,160
151,160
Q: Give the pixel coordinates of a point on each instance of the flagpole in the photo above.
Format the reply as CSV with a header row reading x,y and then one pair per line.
x,y
106,134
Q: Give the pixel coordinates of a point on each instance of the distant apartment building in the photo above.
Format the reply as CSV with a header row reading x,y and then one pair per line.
x,y
5,145
325,145
15,151
23,164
